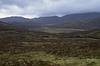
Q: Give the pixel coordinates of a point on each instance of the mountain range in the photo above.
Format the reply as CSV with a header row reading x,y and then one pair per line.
x,y
67,23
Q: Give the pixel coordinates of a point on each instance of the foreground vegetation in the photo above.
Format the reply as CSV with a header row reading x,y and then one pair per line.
x,y
44,59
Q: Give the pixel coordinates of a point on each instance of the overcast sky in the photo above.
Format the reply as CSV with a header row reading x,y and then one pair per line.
x,y
42,8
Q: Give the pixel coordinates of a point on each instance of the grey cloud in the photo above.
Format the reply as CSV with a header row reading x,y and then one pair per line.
x,y
39,8
19,3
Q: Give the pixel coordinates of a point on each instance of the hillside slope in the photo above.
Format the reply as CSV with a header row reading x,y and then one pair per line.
x,y
72,21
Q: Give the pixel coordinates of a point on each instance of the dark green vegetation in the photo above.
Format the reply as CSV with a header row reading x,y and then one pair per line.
x,y
31,48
